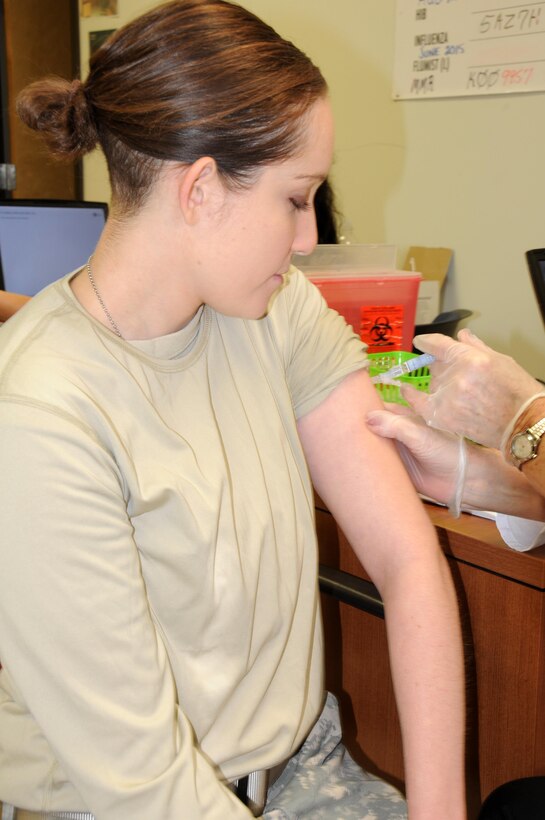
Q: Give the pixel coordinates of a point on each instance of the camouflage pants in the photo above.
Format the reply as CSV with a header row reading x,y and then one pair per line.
x,y
322,782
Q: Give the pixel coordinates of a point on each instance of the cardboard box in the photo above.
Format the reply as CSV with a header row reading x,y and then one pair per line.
x,y
433,264
428,303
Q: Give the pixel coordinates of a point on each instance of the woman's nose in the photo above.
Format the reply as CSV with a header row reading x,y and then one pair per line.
x,y
306,237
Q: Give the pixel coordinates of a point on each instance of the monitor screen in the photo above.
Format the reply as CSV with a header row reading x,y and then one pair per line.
x,y
42,240
536,265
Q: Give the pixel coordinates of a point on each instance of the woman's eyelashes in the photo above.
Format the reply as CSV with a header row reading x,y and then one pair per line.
x,y
300,204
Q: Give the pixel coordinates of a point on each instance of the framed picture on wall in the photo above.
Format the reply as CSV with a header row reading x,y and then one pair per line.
x,y
96,38
98,8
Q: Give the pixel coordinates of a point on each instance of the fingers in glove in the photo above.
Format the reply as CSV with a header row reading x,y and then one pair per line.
x,y
444,348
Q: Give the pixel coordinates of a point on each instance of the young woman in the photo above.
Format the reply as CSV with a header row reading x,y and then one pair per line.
x,y
164,411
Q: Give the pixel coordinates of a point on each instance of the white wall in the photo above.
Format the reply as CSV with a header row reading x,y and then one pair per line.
x,y
465,173
96,186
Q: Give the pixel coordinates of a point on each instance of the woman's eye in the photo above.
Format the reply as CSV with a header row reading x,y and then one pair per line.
x,y
300,204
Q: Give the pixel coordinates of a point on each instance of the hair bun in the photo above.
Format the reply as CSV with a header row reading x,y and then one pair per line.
x,y
59,110
76,91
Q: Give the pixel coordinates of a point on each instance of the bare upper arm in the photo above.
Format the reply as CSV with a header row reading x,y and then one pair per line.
x,y
362,480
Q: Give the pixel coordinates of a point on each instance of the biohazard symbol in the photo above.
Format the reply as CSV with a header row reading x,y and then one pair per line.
x,y
382,330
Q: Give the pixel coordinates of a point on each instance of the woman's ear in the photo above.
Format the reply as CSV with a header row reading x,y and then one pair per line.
x,y
198,188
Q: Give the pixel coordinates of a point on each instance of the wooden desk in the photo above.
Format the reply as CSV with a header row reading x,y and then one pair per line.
x,y
502,602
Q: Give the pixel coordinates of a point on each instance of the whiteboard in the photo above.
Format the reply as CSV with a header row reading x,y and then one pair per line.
x,y
446,48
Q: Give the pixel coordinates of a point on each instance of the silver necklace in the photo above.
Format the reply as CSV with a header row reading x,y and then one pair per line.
x,y
101,300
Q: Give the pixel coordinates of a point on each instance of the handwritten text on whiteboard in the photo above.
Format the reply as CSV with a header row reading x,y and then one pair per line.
x,y
458,47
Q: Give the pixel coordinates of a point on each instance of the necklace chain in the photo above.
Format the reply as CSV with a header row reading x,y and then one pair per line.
x,y
101,300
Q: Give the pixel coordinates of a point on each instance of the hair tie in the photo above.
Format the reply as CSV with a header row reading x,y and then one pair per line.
x,y
76,93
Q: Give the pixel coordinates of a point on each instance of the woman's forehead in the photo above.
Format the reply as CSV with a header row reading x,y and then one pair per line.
x,y
312,161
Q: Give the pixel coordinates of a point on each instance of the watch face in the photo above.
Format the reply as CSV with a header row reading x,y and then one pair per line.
x,y
522,446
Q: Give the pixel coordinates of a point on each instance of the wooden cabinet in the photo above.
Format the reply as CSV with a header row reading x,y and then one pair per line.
x,y
40,38
502,602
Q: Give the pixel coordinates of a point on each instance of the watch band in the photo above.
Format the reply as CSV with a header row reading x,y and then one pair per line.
x,y
537,429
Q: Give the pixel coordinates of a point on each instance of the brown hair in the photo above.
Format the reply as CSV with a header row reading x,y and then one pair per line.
x,y
190,78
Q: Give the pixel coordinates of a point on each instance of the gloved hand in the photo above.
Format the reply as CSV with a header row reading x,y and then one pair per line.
x,y
435,460
475,391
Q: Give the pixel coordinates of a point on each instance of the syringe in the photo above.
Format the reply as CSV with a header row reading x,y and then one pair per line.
x,y
403,369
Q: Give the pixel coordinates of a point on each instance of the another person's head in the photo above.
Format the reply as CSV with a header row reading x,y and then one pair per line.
x,y
326,214
191,78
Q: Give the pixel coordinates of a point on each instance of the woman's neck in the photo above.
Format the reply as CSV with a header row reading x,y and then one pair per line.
x,y
135,283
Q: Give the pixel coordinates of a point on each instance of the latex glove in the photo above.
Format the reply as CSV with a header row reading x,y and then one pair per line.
x,y
475,391
435,460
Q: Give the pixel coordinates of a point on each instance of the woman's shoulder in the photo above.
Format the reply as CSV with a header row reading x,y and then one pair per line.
x,y
39,341
297,294
296,285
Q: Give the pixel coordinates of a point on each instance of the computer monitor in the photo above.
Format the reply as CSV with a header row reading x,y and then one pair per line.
x,y
43,239
536,265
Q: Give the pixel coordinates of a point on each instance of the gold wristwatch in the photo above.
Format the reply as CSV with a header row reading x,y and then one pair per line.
x,y
524,445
